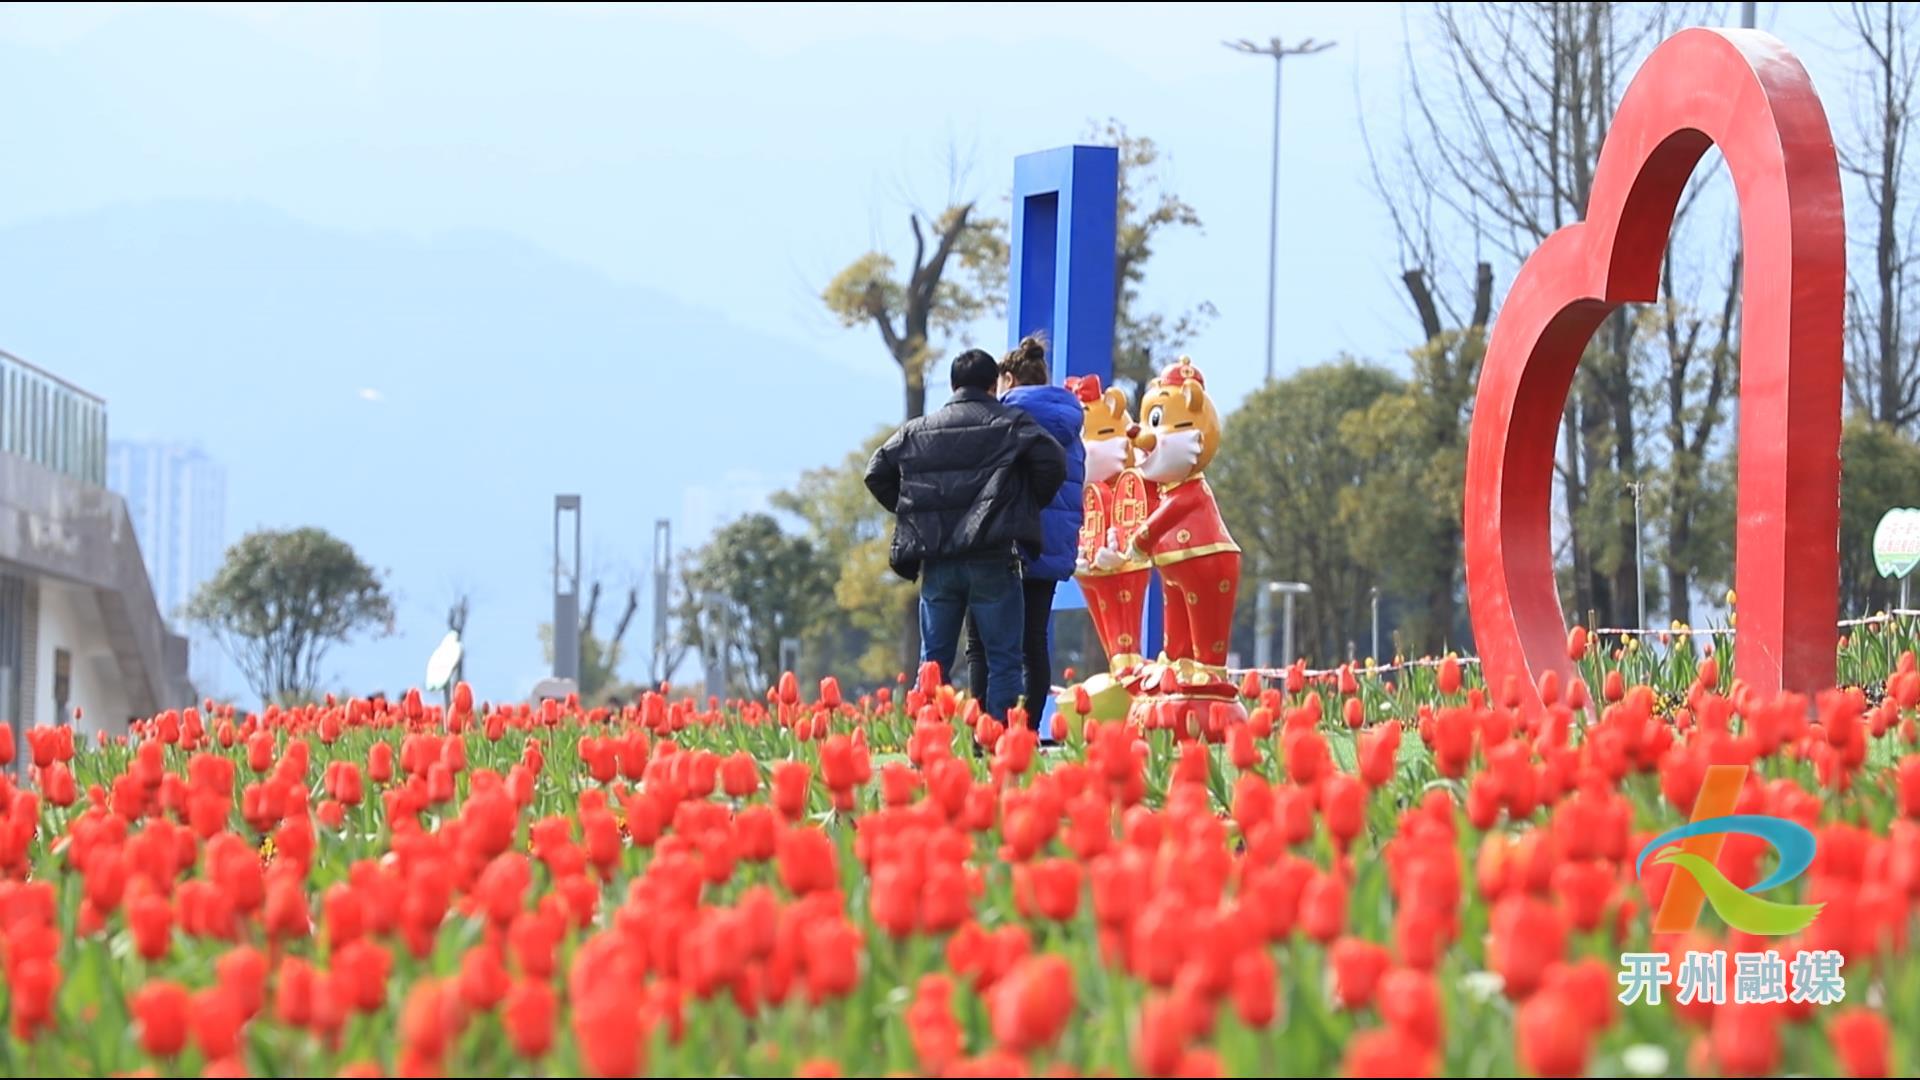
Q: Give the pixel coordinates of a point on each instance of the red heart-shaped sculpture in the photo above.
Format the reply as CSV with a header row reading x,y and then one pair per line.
x,y
1744,92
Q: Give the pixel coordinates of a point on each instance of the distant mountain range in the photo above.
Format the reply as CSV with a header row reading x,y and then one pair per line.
x,y
424,397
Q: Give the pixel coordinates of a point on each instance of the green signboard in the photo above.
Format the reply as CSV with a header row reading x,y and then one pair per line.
x,y
1896,542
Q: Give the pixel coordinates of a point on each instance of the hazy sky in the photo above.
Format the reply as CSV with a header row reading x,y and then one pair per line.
x,y
644,172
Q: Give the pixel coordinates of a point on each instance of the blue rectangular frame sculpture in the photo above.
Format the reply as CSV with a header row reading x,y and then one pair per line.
x,y
1061,281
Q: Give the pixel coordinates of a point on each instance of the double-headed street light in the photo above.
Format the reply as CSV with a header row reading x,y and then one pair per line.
x,y
1279,53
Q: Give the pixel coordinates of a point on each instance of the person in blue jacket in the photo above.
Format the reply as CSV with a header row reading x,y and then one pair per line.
x,y
1025,384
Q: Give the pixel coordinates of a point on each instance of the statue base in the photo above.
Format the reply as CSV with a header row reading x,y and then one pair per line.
x,y
1185,697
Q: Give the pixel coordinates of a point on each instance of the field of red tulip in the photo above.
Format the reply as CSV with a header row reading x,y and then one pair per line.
x,y
1382,875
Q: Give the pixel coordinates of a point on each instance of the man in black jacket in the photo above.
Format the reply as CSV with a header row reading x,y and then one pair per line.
x,y
966,485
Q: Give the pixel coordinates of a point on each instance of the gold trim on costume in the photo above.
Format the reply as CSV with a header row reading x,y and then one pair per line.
x,y
1168,557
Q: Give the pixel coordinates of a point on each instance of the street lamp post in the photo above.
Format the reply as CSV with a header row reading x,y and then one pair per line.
x,y
1376,625
1279,53
1263,629
1639,565
566,588
1263,621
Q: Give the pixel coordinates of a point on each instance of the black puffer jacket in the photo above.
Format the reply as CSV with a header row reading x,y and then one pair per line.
x,y
967,479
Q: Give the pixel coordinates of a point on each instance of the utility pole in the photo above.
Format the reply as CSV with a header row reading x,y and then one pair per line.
x,y
566,588
1279,53
662,590
1639,564
1376,625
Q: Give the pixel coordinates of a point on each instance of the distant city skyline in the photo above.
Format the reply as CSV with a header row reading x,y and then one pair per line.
x,y
177,499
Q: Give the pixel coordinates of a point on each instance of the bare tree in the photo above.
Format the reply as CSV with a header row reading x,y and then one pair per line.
x,y
1692,358
599,657
930,299
1501,139
1446,367
620,626
1883,370
958,274
670,649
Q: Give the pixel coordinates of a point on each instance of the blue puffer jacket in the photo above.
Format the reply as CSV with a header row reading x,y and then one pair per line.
x,y
1059,412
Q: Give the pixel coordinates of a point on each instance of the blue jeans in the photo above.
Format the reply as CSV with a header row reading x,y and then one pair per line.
x,y
988,588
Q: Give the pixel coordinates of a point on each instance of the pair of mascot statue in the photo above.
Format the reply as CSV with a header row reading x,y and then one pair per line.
x,y
1148,507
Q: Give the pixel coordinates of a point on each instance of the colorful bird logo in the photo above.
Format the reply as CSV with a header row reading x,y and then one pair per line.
x,y
1700,841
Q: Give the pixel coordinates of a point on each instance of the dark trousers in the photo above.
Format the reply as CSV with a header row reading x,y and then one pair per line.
x,y
1036,649
983,592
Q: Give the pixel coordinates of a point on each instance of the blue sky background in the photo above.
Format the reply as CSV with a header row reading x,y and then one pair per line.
x,y
408,271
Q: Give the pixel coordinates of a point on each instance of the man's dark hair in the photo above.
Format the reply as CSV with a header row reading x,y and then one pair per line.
x,y
975,370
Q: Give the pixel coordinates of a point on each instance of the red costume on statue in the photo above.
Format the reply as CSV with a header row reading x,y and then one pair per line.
x,y
1188,689
1116,599
1199,570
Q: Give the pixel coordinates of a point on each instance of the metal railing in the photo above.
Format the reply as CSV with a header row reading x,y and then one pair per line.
x,y
1384,668
51,422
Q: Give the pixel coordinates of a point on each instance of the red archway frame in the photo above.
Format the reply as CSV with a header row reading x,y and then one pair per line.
x,y
1743,91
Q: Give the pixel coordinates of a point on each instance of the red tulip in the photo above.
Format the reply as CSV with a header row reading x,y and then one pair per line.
x,y
937,1039
609,1033
806,861
430,1021
1355,712
1577,644
1343,806
739,775
1583,888
217,1018
1859,1037
483,978
1614,687
1908,782
1323,908
1255,991
790,779
1528,937
831,959
1903,685
1030,1007
1746,1039
1410,1003
528,1016
1308,757
1386,1053
243,970
1553,1041
1357,968
1048,888
1379,753
1160,1038
162,1010
151,920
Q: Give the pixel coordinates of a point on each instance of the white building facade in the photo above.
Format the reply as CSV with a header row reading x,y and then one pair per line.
x,y
81,633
